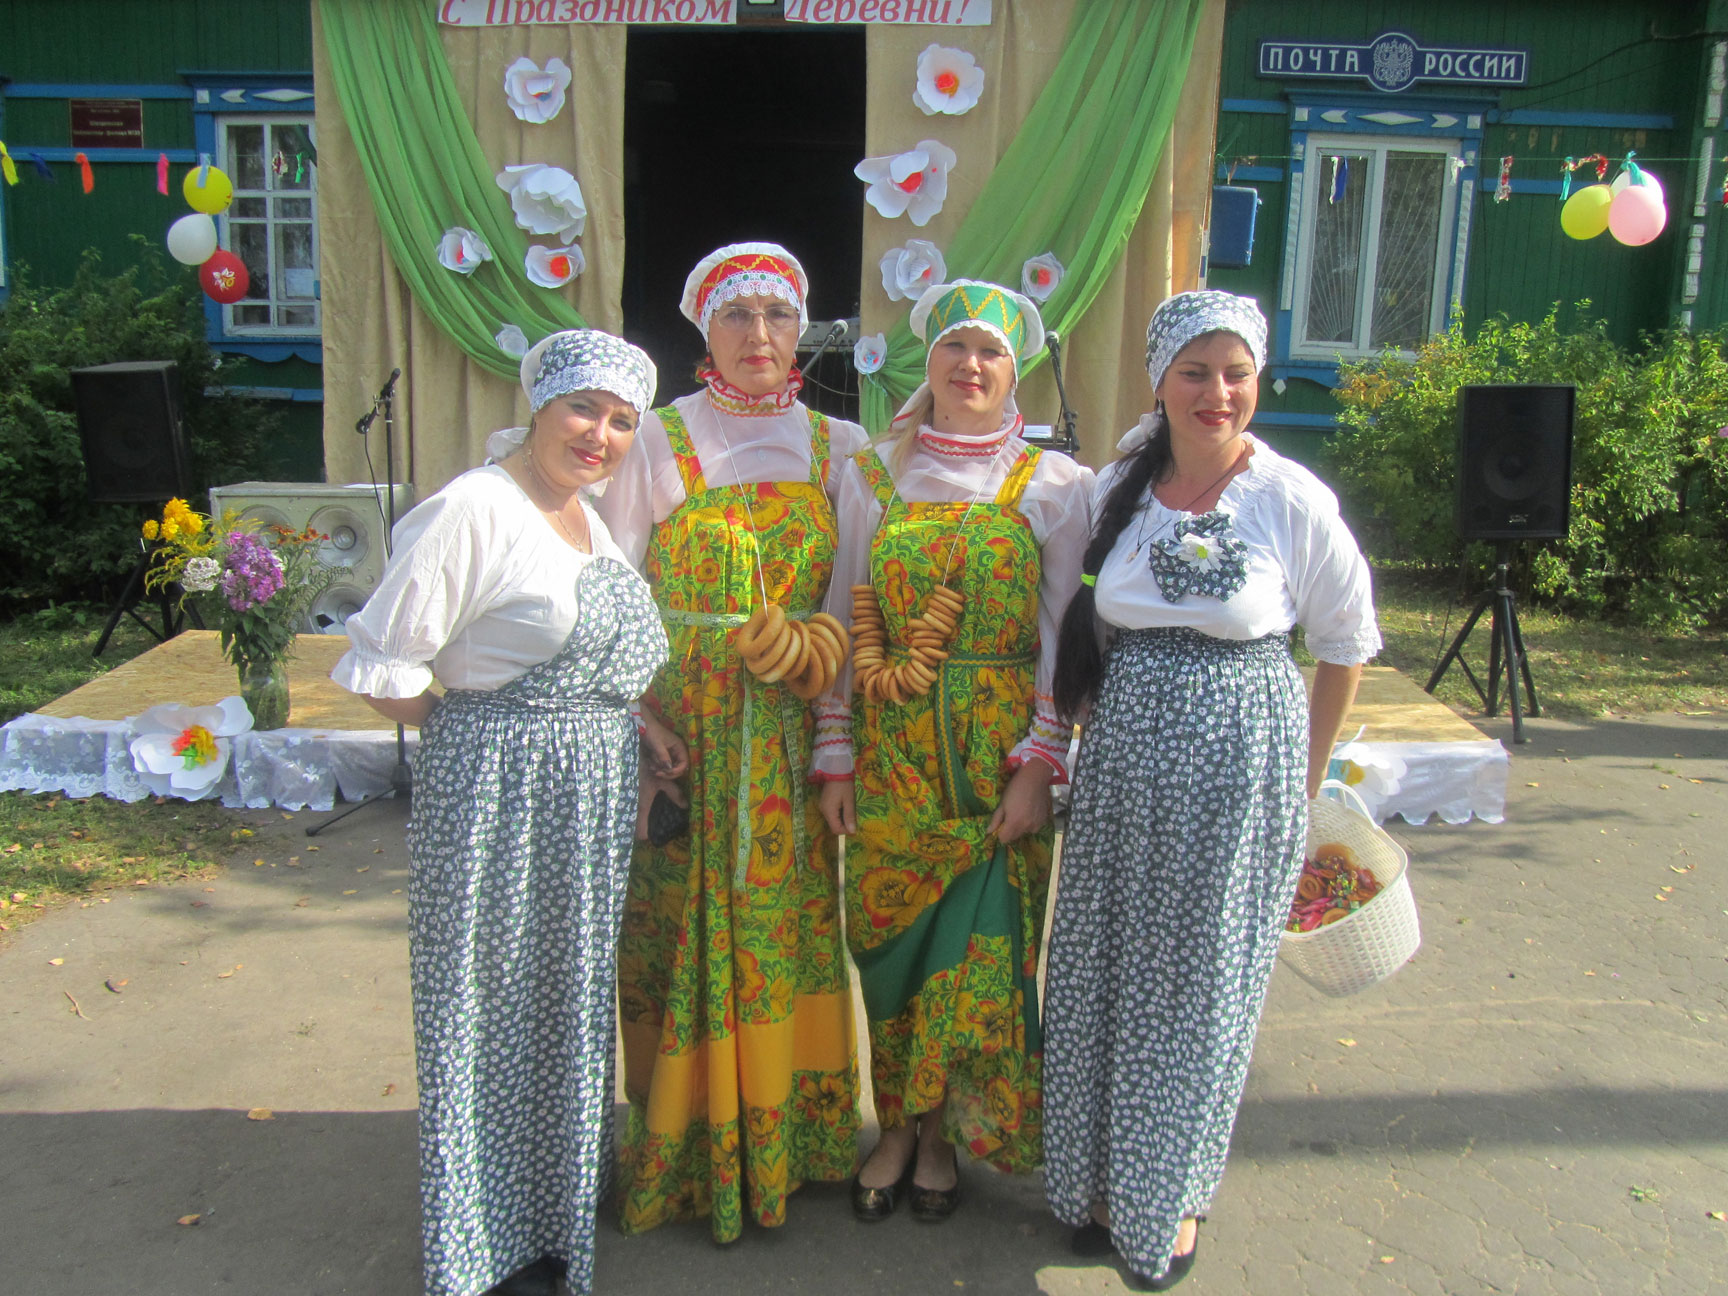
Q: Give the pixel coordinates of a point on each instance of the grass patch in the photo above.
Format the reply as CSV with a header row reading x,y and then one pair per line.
x,y
54,849
47,653
1582,669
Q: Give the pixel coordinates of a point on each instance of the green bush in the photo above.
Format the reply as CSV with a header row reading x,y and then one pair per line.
x,y
1648,542
58,546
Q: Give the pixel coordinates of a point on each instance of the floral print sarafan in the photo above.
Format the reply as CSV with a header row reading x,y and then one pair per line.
x,y
944,921
737,1020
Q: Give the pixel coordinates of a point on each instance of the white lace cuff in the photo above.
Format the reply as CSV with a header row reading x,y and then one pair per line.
x,y
831,755
1048,739
1360,647
360,671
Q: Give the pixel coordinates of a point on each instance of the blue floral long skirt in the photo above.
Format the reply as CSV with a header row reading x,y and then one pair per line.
x,y
1181,858
523,818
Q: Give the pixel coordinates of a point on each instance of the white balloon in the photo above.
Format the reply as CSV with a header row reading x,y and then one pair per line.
x,y
1625,178
192,239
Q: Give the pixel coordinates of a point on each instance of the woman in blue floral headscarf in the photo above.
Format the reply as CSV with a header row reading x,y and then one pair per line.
x,y
1190,796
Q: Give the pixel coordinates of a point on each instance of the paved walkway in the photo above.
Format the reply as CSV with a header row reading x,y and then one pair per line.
x,y
1538,1104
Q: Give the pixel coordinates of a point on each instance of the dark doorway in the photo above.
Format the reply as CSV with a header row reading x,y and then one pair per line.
x,y
738,136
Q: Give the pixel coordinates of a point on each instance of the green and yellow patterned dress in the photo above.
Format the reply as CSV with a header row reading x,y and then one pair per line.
x,y
740,1063
943,921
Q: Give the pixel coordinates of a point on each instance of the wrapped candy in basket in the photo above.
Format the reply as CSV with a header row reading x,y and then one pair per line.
x,y
1354,898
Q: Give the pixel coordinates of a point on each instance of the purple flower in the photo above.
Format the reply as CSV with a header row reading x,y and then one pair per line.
x,y
254,572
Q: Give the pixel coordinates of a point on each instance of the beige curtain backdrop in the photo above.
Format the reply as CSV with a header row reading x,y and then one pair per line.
x,y
448,404
1105,356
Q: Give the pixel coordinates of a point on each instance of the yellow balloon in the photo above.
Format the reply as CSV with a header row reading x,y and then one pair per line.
x,y
213,196
1585,214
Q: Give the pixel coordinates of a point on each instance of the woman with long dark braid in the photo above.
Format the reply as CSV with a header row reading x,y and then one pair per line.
x,y
1198,755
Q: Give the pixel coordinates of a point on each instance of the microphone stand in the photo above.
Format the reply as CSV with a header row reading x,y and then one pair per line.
x,y
1066,438
402,776
836,331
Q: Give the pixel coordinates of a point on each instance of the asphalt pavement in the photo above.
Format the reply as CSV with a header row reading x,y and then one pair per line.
x,y
1537,1104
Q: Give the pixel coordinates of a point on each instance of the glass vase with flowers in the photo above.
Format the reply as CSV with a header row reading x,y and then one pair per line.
x,y
254,586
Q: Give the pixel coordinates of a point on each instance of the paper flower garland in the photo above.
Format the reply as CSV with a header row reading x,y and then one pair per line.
x,y
908,271
512,341
1040,276
536,96
870,353
546,199
462,250
183,751
554,267
949,81
913,183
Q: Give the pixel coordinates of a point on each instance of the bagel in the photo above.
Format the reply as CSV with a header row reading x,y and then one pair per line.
x,y
761,629
792,652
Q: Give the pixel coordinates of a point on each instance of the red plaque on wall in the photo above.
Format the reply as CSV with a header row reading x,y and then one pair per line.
x,y
107,123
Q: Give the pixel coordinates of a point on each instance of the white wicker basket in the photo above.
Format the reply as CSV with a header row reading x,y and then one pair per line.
x,y
1376,940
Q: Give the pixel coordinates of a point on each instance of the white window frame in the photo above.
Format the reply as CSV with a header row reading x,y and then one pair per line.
x,y
1317,149
232,328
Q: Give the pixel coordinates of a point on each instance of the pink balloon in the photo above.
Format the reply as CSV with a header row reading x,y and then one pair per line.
x,y
1636,215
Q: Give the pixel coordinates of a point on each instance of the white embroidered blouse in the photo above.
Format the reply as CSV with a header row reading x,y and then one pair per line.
x,y
478,590
1304,567
947,469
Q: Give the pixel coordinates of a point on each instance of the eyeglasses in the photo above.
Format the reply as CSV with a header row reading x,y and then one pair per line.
x,y
738,319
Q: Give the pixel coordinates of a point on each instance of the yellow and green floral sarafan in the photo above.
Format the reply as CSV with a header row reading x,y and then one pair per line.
x,y
739,1057
943,920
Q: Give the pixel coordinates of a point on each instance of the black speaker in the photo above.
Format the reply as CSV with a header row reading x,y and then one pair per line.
x,y
1514,461
129,422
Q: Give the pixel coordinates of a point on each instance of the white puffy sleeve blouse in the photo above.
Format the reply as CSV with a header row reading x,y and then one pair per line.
x,y
1057,504
478,589
1304,567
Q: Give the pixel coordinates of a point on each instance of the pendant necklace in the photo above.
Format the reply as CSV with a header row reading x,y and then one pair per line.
x,y
1142,536
584,545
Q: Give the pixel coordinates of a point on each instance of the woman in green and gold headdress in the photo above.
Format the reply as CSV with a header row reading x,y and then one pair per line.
x,y
960,544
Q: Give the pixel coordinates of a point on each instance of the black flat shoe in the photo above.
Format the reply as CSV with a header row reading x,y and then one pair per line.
x,y
1179,1265
1091,1239
933,1205
874,1204
537,1279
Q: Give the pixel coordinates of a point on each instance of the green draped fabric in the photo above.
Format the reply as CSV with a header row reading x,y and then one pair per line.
x,y
1076,176
426,171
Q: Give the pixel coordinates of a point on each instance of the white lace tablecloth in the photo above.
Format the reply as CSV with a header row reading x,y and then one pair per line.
x,y
297,769
1456,780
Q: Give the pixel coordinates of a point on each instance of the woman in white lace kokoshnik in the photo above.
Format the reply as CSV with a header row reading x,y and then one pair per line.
x,y
1198,754
508,590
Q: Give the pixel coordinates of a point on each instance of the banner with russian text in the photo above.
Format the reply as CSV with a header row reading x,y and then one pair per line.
x,y
709,13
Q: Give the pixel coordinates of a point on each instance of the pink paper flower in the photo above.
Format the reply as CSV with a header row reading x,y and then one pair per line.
x,y
912,184
908,271
949,81
1040,275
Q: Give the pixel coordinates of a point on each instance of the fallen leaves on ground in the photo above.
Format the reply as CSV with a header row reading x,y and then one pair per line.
x,y
187,1221
260,1114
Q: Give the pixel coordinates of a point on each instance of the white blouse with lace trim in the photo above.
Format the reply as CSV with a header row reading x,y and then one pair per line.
x,y
949,469
478,590
1304,567
647,489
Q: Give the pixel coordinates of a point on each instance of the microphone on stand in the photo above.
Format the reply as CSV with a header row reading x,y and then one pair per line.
x,y
836,331
363,424
1066,438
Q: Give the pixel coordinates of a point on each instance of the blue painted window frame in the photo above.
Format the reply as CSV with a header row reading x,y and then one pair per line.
x,y
1348,113
215,94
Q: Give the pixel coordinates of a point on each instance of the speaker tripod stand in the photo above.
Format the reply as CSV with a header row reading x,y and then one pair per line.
x,y
1505,648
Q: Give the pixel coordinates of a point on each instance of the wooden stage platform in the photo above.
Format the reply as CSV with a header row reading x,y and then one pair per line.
x,y
1452,768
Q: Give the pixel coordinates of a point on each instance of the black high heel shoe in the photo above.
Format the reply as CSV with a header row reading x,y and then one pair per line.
x,y
874,1204
1179,1265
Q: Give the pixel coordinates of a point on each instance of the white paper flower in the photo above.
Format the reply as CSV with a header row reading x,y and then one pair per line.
x,y
870,353
1040,275
1197,551
949,81
546,199
512,341
908,271
182,751
462,250
1375,773
536,95
913,183
200,575
554,267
